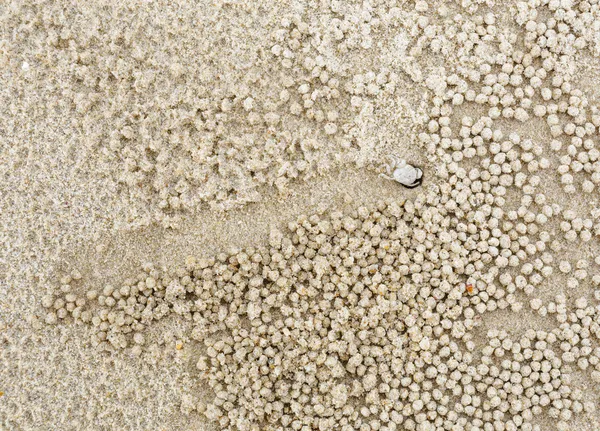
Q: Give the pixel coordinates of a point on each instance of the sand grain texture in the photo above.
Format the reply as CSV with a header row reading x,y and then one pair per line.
x,y
150,131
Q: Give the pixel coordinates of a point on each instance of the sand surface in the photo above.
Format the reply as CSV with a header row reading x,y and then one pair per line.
x,y
148,131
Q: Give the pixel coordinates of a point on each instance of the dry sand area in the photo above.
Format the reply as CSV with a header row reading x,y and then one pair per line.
x,y
195,234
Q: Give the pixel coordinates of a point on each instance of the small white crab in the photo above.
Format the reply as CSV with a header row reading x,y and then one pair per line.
x,y
400,171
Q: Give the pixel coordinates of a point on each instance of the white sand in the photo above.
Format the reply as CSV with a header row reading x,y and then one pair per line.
x,y
90,89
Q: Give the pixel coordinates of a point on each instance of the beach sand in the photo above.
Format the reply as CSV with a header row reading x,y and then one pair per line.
x,y
150,131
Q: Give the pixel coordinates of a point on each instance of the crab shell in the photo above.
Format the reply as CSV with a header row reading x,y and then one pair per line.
x,y
409,176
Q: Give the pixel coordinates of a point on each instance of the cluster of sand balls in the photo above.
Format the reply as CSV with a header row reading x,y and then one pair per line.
x,y
369,320
362,321
172,133
310,86
316,86
217,146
